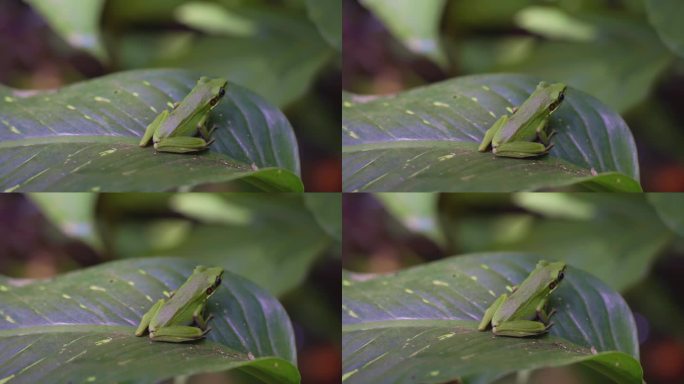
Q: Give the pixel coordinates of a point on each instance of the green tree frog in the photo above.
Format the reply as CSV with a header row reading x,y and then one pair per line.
x,y
515,136
172,320
514,315
175,131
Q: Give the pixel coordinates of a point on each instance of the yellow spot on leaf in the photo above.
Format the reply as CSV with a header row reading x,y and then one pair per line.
x,y
9,99
408,290
15,130
69,106
446,336
103,341
107,152
473,278
440,104
102,99
149,298
346,283
410,112
486,88
347,104
446,157
3,288
474,99
353,314
440,282
96,288
10,319
64,295
344,377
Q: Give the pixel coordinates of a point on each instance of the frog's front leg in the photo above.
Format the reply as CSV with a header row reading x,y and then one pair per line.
x,y
489,312
541,312
199,319
152,128
520,328
147,318
181,144
177,333
542,135
202,129
491,132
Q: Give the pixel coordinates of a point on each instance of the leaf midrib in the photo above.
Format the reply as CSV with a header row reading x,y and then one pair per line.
x,y
71,328
464,325
69,139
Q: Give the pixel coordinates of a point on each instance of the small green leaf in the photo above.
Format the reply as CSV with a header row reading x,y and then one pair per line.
x,y
79,328
85,138
417,27
670,208
665,17
420,325
327,210
327,15
77,21
73,213
426,140
418,212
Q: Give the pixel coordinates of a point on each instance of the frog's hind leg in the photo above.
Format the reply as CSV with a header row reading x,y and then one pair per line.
x,y
181,144
177,333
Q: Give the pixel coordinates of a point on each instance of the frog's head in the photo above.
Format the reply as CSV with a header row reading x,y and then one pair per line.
x,y
212,277
557,270
216,87
556,94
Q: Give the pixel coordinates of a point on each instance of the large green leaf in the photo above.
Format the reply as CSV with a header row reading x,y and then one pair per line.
x,y
77,21
327,14
665,17
426,139
416,27
79,328
420,325
85,137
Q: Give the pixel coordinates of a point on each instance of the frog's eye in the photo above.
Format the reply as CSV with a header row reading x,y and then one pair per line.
x,y
222,92
218,281
561,275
